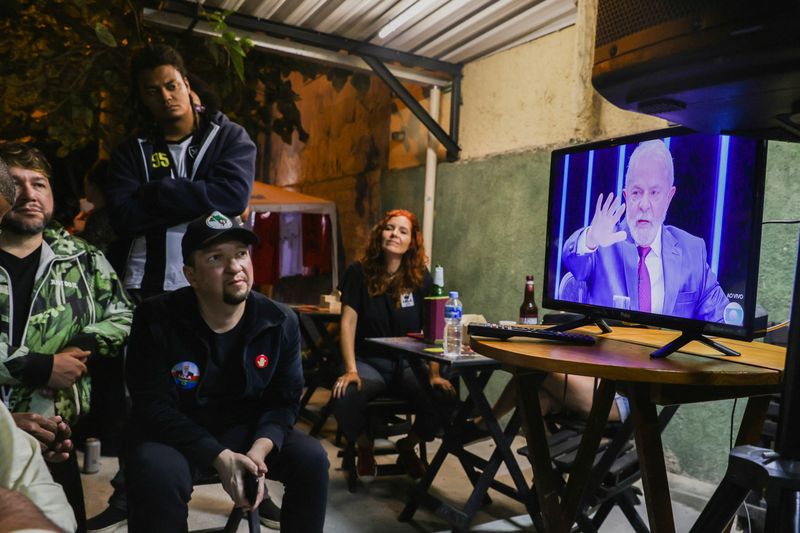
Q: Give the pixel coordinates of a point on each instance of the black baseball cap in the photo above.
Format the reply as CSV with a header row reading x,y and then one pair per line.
x,y
211,228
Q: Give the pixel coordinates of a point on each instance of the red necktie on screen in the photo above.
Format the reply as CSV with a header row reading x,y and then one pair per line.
x,y
644,280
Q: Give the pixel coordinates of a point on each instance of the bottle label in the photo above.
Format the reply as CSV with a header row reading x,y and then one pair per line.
x,y
438,276
529,320
451,311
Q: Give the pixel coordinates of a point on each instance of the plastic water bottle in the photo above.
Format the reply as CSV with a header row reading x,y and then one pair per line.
x,y
452,326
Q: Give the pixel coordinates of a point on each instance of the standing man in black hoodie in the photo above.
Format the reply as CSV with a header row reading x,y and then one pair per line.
x,y
184,162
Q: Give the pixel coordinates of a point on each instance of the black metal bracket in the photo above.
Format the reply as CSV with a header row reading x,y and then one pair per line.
x,y
195,17
420,112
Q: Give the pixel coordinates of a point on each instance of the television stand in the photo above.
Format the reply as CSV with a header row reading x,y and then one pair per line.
x,y
687,337
584,321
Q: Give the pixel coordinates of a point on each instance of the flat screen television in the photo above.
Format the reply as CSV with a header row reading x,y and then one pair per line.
x,y
661,228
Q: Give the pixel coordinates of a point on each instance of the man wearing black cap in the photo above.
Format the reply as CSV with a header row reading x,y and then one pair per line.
x,y
215,378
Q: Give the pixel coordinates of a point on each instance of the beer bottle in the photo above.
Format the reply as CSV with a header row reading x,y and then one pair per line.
x,y
528,312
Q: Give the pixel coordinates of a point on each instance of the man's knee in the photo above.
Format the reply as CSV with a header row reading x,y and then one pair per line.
x,y
314,459
157,467
307,458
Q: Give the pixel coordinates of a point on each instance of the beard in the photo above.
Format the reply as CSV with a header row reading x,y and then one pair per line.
x,y
22,227
232,298
643,236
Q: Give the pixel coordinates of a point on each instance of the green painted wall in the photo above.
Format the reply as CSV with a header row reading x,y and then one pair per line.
x,y
489,218
489,234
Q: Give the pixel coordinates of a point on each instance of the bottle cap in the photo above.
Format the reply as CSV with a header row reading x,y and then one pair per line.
x,y
529,278
453,294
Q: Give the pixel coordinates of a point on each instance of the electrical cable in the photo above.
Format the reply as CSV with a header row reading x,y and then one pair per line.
x,y
747,512
733,412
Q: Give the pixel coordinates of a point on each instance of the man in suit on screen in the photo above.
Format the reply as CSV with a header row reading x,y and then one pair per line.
x,y
639,263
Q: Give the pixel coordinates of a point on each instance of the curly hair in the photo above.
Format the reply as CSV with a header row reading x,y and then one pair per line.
x,y
411,273
150,57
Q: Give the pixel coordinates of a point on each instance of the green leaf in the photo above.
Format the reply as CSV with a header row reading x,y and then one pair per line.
x,y
104,36
238,65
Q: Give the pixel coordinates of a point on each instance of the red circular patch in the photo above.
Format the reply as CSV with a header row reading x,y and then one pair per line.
x,y
262,361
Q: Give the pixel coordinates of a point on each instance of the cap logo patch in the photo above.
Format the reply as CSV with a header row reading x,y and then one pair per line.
x,y
217,220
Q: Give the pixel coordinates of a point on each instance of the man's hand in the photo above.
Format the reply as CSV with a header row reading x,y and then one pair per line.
x,y
52,433
258,453
606,216
41,427
59,451
68,366
232,467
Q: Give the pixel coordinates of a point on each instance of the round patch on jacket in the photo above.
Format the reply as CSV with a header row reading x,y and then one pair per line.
x,y
186,375
262,361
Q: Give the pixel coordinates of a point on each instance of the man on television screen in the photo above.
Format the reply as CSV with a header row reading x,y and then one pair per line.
x,y
640,263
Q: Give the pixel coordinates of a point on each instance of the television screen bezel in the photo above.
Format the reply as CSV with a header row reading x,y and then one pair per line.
x,y
746,331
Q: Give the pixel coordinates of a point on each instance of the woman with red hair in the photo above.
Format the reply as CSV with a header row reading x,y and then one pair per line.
x,y
382,296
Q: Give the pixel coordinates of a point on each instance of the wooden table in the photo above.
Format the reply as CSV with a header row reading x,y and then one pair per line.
x,y
621,361
474,370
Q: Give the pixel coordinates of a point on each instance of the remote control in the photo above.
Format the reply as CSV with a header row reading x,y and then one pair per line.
x,y
505,332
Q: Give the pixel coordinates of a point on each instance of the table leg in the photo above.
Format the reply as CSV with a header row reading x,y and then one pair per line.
x,y
753,420
502,453
547,481
581,475
450,444
651,459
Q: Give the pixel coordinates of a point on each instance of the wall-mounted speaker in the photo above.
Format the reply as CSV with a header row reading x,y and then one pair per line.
x,y
712,65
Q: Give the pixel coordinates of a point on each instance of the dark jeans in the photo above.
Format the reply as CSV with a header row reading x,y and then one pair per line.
x,y
381,376
68,475
160,482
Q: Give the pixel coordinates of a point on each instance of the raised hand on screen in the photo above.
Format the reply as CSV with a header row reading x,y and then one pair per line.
x,y
606,216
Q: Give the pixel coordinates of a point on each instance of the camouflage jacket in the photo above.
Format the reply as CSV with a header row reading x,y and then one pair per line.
x,y
77,300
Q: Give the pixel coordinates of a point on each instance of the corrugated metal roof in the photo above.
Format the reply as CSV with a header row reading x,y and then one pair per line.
x,y
456,31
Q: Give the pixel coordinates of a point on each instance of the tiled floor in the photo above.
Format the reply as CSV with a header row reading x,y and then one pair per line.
x,y
375,506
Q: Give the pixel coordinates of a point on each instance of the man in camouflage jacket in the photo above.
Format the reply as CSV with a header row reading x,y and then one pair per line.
x,y
78,301
60,303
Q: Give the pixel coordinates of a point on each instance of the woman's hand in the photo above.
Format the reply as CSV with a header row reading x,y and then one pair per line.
x,y
444,384
344,381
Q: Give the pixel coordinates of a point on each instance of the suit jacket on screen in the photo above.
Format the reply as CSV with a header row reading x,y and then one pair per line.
x,y
691,289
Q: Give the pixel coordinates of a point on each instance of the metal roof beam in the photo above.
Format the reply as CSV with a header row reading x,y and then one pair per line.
x,y
323,40
176,22
420,112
